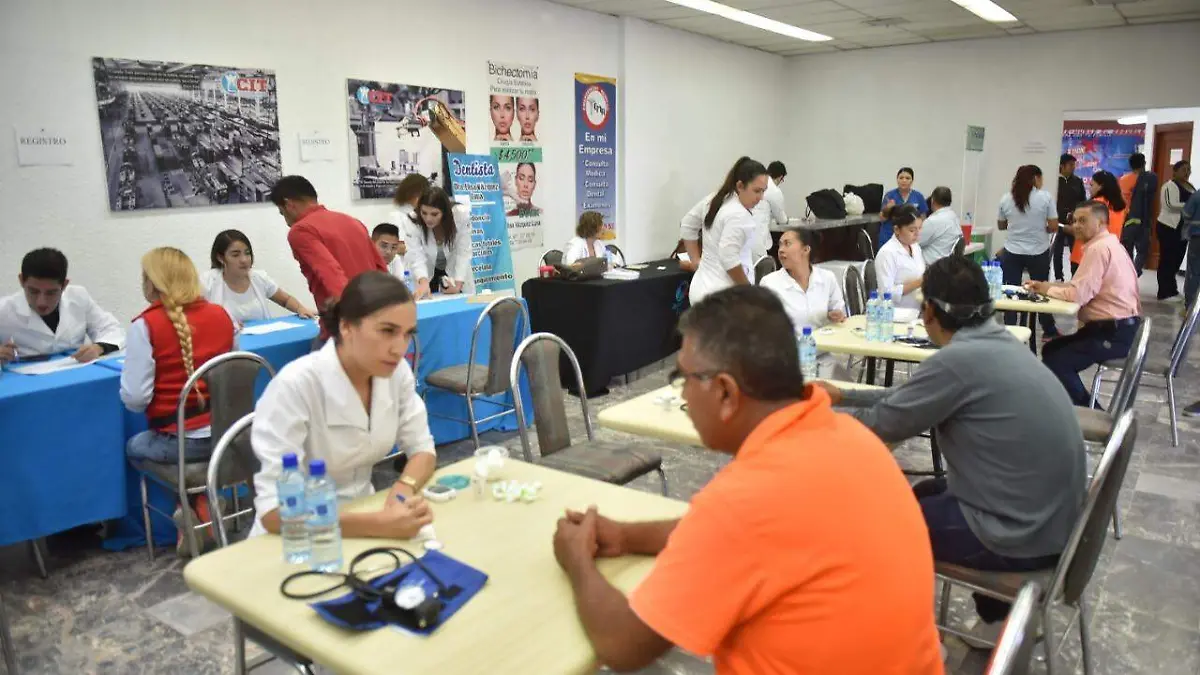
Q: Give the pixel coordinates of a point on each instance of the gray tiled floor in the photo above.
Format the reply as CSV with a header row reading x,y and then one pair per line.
x,y
102,612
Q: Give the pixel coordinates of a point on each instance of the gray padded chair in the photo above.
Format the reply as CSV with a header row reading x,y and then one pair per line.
x,y
552,257
1067,582
1166,368
960,246
869,279
230,378
6,642
1014,651
762,267
232,463
472,380
855,291
607,461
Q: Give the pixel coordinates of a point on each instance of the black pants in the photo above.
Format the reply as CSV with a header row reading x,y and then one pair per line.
x,y
1171,250
1136,239
1095,342
1014,266
1062,241
953,542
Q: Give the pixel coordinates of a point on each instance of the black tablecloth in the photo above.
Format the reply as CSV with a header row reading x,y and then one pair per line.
x,y
614,327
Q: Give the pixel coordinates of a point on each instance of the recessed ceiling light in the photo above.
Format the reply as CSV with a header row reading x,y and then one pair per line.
x,y
986,10
1132,119
760,22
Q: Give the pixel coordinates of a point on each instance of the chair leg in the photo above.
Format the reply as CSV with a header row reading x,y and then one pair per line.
x,y
1096,386
1174,415
35,551
6,642
471,420
239,648
237,508
662,476
1085,648
189,526
1048,640
944,605
1116,521
146,520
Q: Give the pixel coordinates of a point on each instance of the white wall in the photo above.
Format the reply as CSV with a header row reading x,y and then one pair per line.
x,y
856,117
693,106
313,46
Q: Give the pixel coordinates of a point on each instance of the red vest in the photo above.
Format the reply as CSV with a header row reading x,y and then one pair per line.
x,y
212,335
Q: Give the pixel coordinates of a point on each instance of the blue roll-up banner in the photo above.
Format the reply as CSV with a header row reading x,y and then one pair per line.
x,y
596,149
491,260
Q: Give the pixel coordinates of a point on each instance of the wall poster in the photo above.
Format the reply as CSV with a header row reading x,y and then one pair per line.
x,y
596,149
398,129
491,258
514,110
1100,145
186,134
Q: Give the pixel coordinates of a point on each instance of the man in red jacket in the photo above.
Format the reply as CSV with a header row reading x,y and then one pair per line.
x,y
332,248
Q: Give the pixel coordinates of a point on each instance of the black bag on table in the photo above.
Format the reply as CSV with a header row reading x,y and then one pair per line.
x,y
584,269
871,194
827,204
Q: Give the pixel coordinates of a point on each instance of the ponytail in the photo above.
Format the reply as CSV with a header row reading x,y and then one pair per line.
x,y
1022,186
744,171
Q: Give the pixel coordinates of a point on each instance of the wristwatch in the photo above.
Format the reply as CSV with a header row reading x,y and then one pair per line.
x,y
411,482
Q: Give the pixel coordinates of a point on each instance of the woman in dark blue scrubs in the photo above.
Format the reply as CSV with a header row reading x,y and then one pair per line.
x,y
901,195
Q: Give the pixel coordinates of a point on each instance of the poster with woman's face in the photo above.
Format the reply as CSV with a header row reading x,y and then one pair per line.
x,y
514,109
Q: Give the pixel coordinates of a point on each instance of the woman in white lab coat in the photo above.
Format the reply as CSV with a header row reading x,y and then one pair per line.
x,y
49,316
728,234
439,254
348,404
586,243
235,285
899,265
408,194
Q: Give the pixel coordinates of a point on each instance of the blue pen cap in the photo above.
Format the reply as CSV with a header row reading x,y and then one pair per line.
x,y
316,468
806,331
290,461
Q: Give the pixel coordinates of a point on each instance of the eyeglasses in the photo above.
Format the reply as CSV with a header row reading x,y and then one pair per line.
x,y
679,377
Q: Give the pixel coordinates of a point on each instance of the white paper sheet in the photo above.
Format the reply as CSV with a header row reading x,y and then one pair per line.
x,y
47,367
272,327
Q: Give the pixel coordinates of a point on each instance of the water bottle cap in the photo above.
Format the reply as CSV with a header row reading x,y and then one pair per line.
x,y
316,468
874,295
290,461
806,331
407,274
887,296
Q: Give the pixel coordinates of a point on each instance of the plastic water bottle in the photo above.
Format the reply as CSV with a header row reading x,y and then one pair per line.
x,y
995,279
873,317
808,354
408,281
323,529
887,315
293,514
608,257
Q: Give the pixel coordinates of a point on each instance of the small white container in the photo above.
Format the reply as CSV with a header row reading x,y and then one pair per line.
x,y
496,458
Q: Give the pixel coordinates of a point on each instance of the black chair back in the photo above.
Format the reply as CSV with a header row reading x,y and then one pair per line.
x,y
856,294
764,266
869,278
960,246
552,257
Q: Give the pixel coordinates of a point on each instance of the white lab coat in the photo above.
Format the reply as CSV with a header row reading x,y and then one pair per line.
x,y
727,244
893,267
80,321
768,215
421,259
577,249
311,409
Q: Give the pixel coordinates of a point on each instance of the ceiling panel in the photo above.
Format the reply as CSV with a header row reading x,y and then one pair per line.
x,y
921,20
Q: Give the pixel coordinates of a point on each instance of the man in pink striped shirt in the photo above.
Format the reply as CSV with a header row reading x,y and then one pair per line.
x,y
1105,287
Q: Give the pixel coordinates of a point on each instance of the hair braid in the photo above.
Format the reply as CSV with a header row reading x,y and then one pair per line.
x,y
174,278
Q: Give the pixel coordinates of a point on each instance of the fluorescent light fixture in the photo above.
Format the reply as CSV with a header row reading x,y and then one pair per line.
x,y
1133,119
986,10
760,22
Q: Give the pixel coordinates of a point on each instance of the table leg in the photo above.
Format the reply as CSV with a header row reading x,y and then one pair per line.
x,y
888,372
1031,320
871,370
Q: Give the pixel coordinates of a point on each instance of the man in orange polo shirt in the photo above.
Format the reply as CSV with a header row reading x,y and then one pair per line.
x,y
762,573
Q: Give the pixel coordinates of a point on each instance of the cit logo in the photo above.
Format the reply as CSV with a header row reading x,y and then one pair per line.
x,y
229,82
363,95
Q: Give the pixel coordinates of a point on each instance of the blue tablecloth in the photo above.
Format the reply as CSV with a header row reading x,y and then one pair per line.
x,y
62,459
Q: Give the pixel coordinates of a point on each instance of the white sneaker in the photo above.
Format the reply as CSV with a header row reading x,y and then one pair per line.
x,y
983,635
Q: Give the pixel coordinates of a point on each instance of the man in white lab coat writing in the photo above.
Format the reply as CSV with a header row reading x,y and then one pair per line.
x,y
769,215
48,316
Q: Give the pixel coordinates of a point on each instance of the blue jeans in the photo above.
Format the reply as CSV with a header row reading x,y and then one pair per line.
x,y
153,446
1192,281
1094,343
1014,266
953,542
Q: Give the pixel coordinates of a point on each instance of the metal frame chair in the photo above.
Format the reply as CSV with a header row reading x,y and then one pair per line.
x,y
1014,650
241,630
500,350
1067,582
1127,383
6,642
617,249
181,487
960,245
544,417
552,257
762,267
870,280
866,247
1167,370
854,292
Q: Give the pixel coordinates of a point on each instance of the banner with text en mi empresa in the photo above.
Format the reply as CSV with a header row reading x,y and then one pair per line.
x,y
596,149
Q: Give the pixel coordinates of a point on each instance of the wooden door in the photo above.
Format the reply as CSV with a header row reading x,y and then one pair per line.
x,y
1169,139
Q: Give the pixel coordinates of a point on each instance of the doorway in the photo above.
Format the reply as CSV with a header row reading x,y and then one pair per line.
x,y
1172,143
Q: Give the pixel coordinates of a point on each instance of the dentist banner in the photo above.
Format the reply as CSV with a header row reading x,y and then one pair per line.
x,y
596,149
491,257
515,111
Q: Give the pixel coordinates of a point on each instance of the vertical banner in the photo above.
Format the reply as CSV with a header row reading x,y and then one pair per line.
x,y
515,111
1100,145
491,257
596,149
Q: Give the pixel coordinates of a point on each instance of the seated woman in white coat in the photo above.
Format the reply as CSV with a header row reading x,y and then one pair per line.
x,y
348,404
728,231
439,253
899,265
811,295
586,243
234,284
49,316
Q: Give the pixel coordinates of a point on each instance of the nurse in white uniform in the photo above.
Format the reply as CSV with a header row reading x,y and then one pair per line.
x,y
348,404
728,231
50,316
811,296
899,265
439,252
241,290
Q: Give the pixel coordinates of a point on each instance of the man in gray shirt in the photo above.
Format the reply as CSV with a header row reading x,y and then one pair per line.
x,y
1016,469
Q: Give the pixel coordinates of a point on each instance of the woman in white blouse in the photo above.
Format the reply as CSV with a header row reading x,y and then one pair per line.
x,y
348,404
408,194
241,290
728,231
586,243
899,265
439,253
811,296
